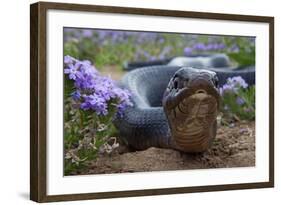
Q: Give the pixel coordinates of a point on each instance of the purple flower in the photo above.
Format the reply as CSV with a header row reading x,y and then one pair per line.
x,y
123,95
68,59
187,51
84,81
218,46
199,46
71,70
94,91
233,85
209,46
121,109
103,91
227,88
87,33
95,102
237,81
76,95
221,46
240,101
234,48
161,40
146,55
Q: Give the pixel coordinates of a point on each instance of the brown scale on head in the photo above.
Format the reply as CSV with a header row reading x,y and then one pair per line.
x,y
191,103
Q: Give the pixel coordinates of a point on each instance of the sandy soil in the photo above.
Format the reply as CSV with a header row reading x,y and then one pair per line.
x,y
234,146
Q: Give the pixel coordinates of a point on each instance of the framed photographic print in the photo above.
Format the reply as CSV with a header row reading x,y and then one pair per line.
x,y
133,102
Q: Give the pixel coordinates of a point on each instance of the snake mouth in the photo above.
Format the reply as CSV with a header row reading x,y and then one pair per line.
x,y
191,112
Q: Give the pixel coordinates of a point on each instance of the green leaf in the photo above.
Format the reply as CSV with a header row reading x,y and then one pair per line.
x,y
243,59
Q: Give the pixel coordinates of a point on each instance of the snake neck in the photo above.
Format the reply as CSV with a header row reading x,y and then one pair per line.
x,y
193,123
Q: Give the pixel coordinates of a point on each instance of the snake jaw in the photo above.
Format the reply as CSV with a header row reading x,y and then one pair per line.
x,y
192,112
191,126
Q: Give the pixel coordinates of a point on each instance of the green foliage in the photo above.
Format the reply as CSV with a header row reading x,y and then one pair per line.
x,y
85,133
72,49
239,105
244,54
243,59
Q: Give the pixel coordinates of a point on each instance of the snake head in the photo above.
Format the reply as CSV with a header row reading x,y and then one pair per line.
x,y
191,103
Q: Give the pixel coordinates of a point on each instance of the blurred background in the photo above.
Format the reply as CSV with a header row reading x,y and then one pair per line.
x,y
108,50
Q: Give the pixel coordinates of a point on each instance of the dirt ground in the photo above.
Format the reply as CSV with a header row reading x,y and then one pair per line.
x,y
114,72
234,146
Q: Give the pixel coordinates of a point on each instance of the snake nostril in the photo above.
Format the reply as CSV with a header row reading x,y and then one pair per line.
x,y
201,91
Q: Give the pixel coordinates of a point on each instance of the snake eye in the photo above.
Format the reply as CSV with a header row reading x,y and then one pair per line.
x,y
216,81
176,83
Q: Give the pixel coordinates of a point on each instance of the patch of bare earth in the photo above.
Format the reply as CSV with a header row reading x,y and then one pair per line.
x,y
233,147
113,71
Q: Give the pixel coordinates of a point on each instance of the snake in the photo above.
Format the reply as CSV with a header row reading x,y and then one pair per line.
x,y
174,107
219,63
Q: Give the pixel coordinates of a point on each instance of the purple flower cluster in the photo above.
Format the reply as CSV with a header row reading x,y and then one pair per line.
x,y
155,45
187,51
111,37
103,37
233,85
202,47
94,91
144,55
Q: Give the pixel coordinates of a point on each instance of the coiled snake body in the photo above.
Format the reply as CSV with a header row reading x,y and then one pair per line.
x,y
173,107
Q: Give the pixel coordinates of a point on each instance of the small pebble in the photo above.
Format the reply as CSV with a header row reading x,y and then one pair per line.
x,y
231,125
243,130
